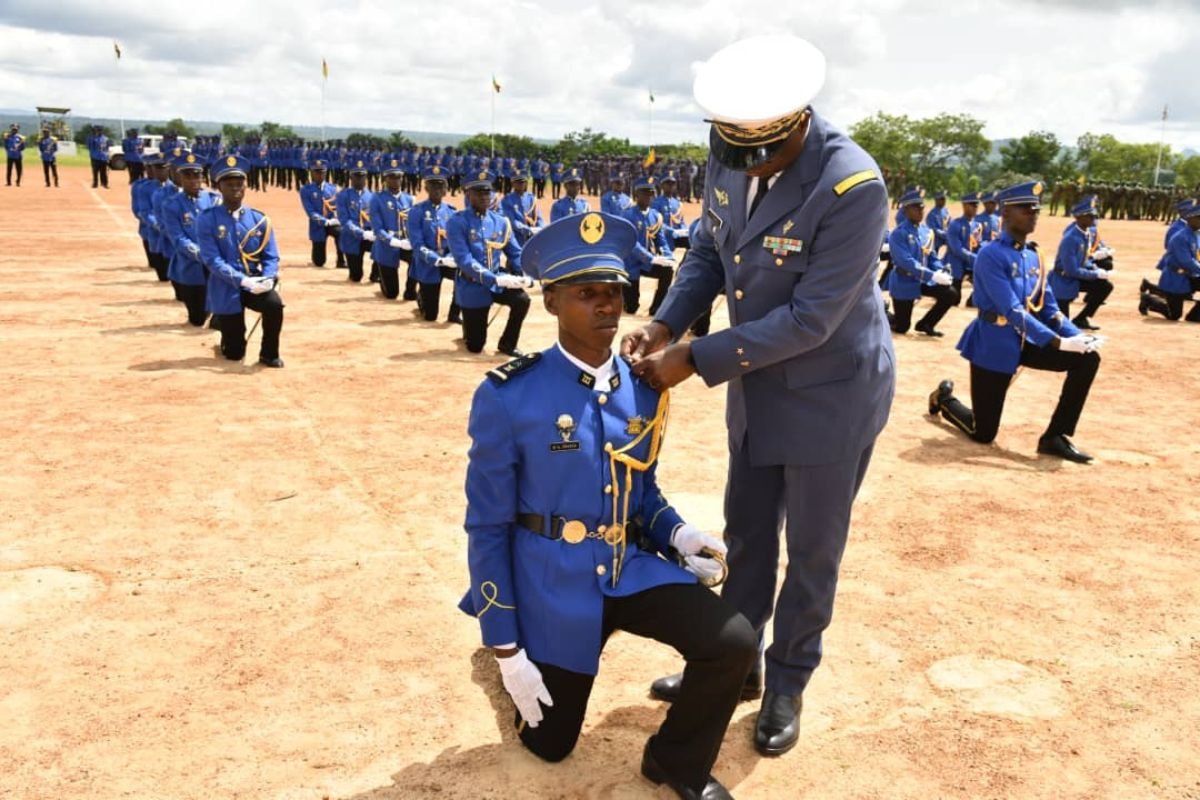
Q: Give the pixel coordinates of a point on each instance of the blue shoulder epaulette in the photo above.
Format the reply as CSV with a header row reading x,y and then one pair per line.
x,y
502,373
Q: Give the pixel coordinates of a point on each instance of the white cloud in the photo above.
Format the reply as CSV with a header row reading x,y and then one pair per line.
x,y
1063,65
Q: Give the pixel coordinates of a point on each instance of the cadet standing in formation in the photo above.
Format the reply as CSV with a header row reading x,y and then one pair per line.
x,y
237,244
651,253
180,213
318,200
432,262
1074,267
133,149
478,237
917,271
791,205
14,152
561,556
354,219
389,225
48,149
97,145
570,203
1019,324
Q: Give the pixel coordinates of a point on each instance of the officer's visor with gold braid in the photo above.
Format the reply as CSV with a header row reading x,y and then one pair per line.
x,y
743,148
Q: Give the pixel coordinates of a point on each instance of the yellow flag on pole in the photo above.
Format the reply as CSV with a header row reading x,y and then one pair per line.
x,y
495,84
325,68
117,50
650,159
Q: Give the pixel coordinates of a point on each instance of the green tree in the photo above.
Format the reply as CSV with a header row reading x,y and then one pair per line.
x,y
1107,159
1032,154
357,140
177,125
507,144
398,141
944,142
594,144
1187,171
234,133
273,130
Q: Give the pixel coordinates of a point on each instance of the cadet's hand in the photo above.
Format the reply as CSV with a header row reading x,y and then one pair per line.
x,y
263,285
691,543
663,261
1103,275
942,278
249,283
510,281
194,249
664,369
1079,343
446,261
368,236
652,337
680,232
403,244
1096,343
332,223
523,682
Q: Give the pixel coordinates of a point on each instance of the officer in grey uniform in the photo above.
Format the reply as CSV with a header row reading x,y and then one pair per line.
x,y
790,214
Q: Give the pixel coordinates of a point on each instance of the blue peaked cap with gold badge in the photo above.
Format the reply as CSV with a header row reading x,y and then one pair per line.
x,y
969,197
648,182
229,166
1087,206
319,163
392,166
187,161
483,179
913,197
1023,194
588,248
434,173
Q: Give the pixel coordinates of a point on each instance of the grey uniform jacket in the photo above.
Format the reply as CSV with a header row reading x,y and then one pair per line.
x,y
808,354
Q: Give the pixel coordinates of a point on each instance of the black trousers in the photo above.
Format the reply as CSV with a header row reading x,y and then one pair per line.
x,y
1170,306
320,248
99,173
1094,293
354,262
664,275
475,321
389,282
233,326
136,170
429,297
8,171
193,297
943,298
49,169
161,264
719,647
989,389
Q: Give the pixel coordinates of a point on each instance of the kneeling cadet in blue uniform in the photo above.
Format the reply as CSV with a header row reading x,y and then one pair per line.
x,y
1019,324
567,528
237,244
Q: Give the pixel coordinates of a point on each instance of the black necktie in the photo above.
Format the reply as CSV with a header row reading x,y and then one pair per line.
x,y
764,186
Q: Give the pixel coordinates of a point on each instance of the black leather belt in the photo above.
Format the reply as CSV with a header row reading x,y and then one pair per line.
x,y
998,320
573,531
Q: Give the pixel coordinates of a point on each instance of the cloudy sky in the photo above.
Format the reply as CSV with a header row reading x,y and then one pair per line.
x,y
1069,66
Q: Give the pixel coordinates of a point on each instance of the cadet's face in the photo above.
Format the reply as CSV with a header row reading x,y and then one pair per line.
x,y
940,202
572,188
588,314
1086,220
436,191
318,176
520,186
970,210
393,183
643,197
914,213
190,179
358,180
1194,223
481,198
232,189
1020,220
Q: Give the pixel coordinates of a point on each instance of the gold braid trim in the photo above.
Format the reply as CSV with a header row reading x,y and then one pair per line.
x,y
656,429
774,131
249,258
490,247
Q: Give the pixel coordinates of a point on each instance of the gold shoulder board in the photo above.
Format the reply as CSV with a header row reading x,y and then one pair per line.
x,y
846,184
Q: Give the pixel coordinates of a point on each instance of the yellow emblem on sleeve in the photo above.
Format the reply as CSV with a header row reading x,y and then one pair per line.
x,y
722,196
591,228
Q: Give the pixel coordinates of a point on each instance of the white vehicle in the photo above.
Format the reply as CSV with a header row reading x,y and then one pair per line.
x,y
150,145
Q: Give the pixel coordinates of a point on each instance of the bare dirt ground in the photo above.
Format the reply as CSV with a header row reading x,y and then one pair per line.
x,y
218,581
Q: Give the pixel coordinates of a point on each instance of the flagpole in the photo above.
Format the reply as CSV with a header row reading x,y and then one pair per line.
x,y
323,82
120,94
651,118
493,129
1162,138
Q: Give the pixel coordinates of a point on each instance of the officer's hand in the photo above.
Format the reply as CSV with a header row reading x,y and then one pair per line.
x,y
1079,343
942,278
523,682
665,368
650,338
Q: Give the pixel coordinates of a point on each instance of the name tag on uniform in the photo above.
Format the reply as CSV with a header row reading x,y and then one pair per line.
x,y
781,246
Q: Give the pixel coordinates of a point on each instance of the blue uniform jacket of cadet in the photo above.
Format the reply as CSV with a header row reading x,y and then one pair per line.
x,y
808,347
565,207
14,146
131,146
141,194
672,214
180,216
1009,283
1073,263
476,242
990,227
938,220
158,198
318,201
1174,228
962,240
222,242
48,147
1181,263
651,239
98,147
615,203
914,258
548,595
522,211
354,215
427,235
389,217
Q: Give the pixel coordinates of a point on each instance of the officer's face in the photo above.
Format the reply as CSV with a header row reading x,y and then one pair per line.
x,y
767,163
190,179
913,213
481,198
588,314
436,191
232,189
1020,220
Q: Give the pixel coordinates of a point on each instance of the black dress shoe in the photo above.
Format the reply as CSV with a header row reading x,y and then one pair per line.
x,y
1084,324
511,351
713,790
928,331
777,728
667,688
1061,447
274,363
940,395
454,320
1143,303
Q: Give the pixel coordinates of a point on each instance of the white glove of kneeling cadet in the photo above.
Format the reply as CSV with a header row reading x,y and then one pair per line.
x,y
689,541
445,261
662,261
942,278
1081,343
368,236
257,285
514,281
524,684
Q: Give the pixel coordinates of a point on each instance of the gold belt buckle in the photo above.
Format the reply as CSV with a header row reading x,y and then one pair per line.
x,y
574,531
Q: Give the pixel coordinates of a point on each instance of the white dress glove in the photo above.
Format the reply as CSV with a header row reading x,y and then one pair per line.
x,y
368,236
249,283
524,684
1104,276
332,223
1096,343
663,261
690,541
510,281
319,218
394,242
942,278
446,261
1080,343
262,285
194,249
403,244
